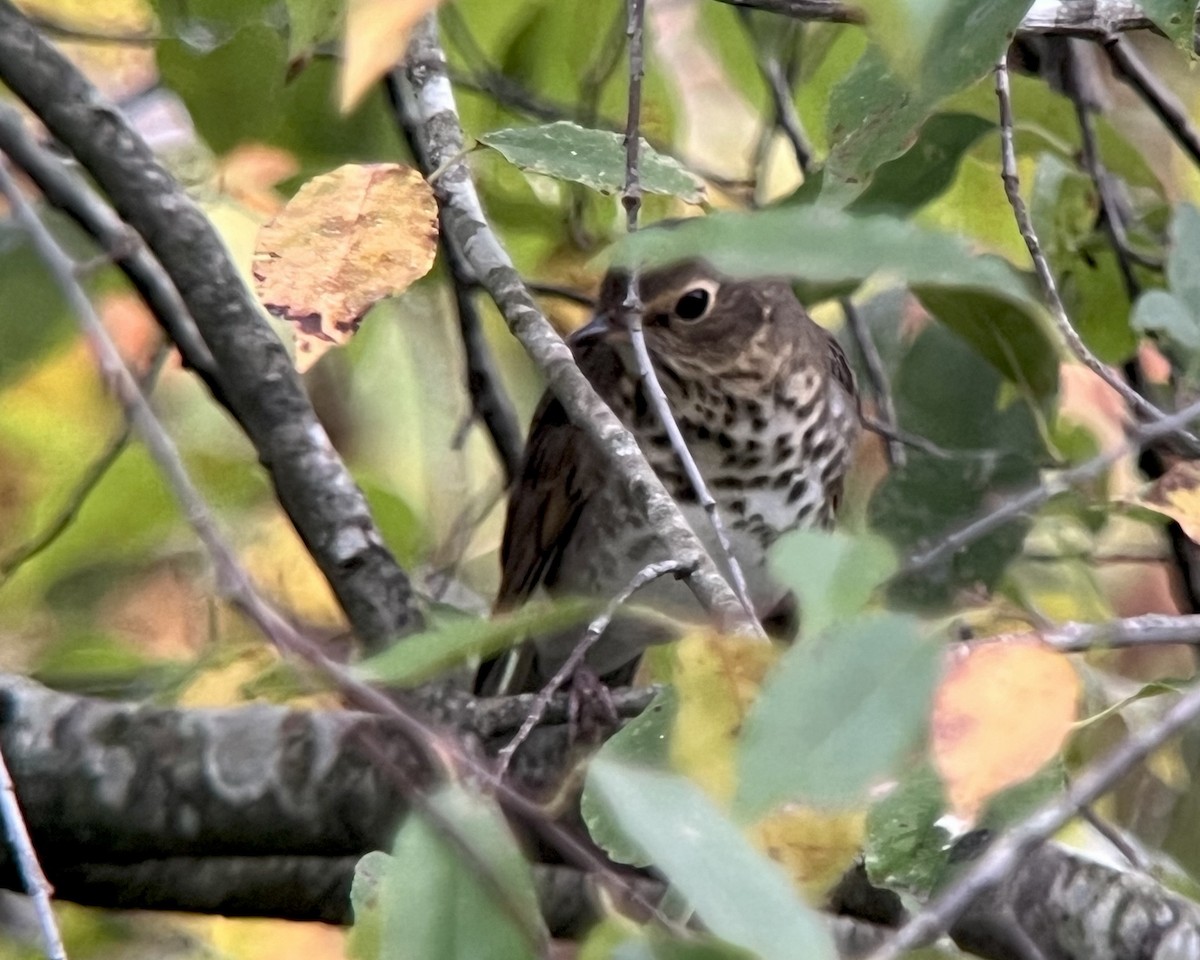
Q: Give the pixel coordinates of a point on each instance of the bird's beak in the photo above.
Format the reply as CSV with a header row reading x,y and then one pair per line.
x,y
600,328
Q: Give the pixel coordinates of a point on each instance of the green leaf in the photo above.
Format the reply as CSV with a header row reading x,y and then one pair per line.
x,y
992,450
595,158
840,712
875,109
1183,264
1175,18
819,244
437,902
1157,311
926,169
423,655
739,895
363,942
905,848
248,71
311,22
833,573
642,741
1000,331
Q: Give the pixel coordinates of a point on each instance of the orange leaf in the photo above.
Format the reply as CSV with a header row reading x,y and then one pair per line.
x,y
376,38
345,241
1177,494
1003,710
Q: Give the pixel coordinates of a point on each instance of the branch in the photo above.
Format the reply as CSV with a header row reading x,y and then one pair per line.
x,y
256,379
1042,267
1013,848
1095,19
264,810
33,880
436,119
1128,66
951,543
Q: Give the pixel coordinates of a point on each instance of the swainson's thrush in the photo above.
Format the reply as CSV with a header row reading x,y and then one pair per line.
x,y
764,399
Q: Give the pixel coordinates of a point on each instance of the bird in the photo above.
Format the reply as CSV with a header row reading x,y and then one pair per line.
x,y
766,403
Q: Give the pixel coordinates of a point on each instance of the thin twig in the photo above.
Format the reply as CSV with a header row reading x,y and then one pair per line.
x,y
595,631
949,544
894,434
1128,66
431,99
98,470
67,191
563,293
876,376
1110,833
1009,850
631,200
1144,630
36,884
253,377
783,104
442,751
1045,275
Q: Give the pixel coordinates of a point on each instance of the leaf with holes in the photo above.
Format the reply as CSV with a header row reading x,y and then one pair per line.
x,y
346,240
595,158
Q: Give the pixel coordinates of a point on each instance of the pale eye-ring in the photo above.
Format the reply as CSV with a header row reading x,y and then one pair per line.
x,y
693,304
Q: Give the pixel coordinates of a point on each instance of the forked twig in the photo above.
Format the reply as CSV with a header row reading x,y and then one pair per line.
x,y
648,574
1058,311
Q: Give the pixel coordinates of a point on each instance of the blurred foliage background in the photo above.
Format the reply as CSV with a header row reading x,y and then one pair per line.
x,y
240,98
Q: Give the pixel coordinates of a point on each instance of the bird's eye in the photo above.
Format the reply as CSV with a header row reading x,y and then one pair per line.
x,y
693,304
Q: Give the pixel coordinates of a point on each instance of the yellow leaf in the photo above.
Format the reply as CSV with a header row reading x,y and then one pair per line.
x,y
345,241
376,37
1177,494
716,677
814,847
1002,711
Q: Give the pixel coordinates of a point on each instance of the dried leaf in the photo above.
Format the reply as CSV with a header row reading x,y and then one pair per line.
x,y
346,240
376,37
1177,495
1003,710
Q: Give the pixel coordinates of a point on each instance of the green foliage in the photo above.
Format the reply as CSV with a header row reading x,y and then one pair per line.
x,y
840,713
595,158
424,655
1176,314
894,87
739,895
834,574
455,886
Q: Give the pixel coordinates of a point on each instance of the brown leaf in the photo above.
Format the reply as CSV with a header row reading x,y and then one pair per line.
x,y
1001,713
345,241
376,38
1177,494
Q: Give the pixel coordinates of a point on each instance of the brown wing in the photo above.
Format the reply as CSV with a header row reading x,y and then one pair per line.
x,y
560,472
839,366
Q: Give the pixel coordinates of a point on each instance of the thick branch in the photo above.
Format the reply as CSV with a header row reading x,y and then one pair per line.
x,y
257,381
263,811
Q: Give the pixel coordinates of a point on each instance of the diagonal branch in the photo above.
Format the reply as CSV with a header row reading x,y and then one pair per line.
x,y
255,377
1058,311
1078,18
435,115
1012,848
